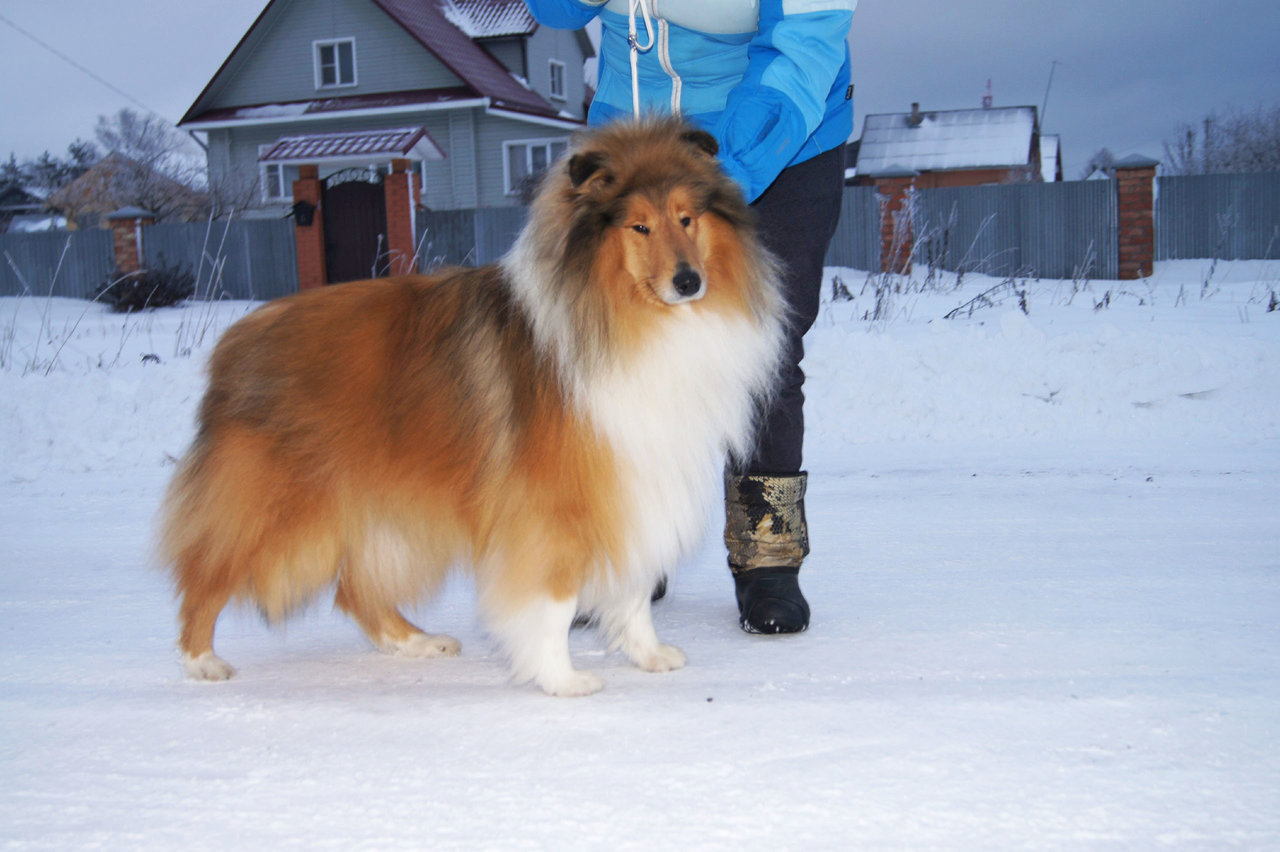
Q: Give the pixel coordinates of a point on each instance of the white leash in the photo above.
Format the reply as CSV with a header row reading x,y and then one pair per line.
x,y
643,7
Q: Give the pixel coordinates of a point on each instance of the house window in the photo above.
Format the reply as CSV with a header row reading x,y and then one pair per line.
x,y
335,63
527,159
276,179
557,79
277,182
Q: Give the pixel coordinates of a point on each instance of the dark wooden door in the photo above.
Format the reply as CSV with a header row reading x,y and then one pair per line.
x,y
355,226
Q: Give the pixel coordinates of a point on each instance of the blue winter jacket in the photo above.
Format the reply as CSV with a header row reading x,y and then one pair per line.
x,y
768,78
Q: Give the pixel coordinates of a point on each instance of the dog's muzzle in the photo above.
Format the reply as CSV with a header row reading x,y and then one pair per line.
x,y
686,285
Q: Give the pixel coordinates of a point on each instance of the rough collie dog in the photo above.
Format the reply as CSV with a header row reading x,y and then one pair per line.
x,y
557,422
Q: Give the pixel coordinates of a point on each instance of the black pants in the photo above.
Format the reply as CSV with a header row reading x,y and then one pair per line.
x,y
796,217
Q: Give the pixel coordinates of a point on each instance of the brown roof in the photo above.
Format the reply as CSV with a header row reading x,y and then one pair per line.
x,y
318,147
427,23
438,26
345,103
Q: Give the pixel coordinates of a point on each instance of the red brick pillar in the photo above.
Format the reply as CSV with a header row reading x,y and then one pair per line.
x,y
1135,202
309,238
897,239
399,201
126,237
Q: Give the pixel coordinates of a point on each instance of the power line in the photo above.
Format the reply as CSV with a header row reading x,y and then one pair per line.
x,y
1044,107
119,91
67,59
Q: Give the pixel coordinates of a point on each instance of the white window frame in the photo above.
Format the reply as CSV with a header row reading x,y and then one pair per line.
x,y
528,145
337,65
266,183
273,183
556,71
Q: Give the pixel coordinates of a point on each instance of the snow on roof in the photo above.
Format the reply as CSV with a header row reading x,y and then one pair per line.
x,y
412,142
25,223
947,139
274,110
347,103
489,18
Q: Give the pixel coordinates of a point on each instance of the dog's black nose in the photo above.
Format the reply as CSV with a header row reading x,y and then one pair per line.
x,y
687,282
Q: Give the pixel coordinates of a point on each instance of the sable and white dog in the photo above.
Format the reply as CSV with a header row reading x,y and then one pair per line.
x,y
558,422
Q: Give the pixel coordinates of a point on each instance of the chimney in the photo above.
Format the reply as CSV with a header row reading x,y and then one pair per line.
x,y
916,117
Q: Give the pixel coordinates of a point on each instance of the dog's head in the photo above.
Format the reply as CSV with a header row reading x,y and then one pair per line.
x,y
644,200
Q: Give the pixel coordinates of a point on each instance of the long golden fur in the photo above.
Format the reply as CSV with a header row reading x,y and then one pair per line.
x,y
557,422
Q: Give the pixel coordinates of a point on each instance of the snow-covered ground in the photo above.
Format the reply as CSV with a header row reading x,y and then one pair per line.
x,y
1045,582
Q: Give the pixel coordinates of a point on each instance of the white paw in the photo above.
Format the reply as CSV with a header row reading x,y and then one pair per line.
x,y
575,684
423,646
207,666
663,658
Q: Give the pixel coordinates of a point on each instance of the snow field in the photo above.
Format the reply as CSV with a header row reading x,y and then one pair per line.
x,y
1044,581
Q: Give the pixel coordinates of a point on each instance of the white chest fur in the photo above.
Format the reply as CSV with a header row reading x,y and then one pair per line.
x,y
672,416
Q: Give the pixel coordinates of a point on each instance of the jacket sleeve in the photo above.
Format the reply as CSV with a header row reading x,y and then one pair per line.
x,y
564,14
793,61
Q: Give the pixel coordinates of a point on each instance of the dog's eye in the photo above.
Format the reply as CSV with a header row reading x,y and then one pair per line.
x,y
640,229
686,222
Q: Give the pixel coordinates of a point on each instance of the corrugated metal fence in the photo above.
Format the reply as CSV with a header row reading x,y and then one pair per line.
x,y
857,239
1057,230
466,237
477,237
1047,230
249,259
61,263
243,259
1229,217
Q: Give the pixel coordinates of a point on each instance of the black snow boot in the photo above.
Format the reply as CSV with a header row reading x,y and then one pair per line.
x,y
768,539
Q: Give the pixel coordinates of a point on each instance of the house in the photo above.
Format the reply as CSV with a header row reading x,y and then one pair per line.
x,y
473,94
18,204
117,181
964,147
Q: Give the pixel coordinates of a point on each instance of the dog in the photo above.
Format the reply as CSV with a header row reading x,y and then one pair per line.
x,y
557,422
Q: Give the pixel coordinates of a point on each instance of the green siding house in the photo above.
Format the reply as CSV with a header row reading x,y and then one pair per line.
x,y
487,96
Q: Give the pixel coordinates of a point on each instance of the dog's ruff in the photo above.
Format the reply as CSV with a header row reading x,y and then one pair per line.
x,y
557,423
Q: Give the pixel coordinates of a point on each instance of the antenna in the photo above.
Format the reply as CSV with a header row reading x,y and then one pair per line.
x,y
986,99
1045,106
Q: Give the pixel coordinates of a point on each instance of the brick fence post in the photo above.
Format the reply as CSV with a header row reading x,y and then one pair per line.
x,y
399,201
897,237
1135,203
309,238
126,237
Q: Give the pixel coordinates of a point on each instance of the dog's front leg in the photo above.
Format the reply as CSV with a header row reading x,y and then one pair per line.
x,y
632,623
536,639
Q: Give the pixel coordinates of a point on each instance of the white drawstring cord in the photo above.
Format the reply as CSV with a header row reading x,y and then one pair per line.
x,y
636,47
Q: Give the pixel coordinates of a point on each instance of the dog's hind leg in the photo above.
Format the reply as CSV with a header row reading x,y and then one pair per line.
x,y
198,616
387,628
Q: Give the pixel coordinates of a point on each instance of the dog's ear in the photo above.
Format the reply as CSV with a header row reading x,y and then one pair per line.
x,y
589,171
702,140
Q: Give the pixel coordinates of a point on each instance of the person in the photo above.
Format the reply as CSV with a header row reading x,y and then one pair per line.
x,y
770,80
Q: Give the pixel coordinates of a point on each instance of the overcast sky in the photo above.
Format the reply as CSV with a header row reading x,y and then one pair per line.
x,y
1129,70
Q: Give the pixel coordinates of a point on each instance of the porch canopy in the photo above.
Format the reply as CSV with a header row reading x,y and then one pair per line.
x,y
360,147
